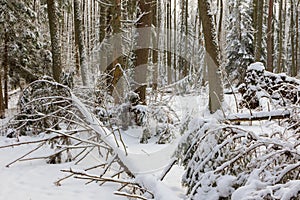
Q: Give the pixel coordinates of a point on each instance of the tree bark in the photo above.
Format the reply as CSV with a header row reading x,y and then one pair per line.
x,y
270,38
214,76
280,38
6,65
155,44
116,62
294,67
297,35
55,39
258,45
2,108
168,20
142,50
175,42
79,43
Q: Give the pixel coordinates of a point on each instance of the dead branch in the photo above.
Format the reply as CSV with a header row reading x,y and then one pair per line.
x,y
168,169
39,146
279,114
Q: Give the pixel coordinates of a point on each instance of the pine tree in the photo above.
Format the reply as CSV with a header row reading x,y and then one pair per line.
x,y
27,52
239,49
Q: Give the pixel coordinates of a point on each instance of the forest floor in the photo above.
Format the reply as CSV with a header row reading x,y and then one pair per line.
x,y
33,180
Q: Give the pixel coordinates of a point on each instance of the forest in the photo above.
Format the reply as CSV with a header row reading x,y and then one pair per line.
x,y
149,99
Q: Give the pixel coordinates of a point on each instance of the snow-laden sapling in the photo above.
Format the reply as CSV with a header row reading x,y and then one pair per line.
x,y
222,160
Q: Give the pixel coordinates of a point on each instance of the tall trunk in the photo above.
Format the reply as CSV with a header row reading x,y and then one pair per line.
x,y
270,38
294,67
115,62
142,52
181,38
168,20
5,63
175,42
2,108
220,30
79,43
254,17
55,40
280,38
258,48
155,43
102,27
215,83
185,66
297,35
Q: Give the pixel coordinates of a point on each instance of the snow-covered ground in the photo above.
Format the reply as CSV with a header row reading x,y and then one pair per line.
x,y
36,179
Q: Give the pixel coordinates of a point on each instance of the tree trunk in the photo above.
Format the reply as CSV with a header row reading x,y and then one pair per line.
x,y
79,43
2,108
116,62
185,65
142,52
175,42
168,20
297,35
220,39
270,38
214,76
155,44
102,27
254,17
294,67
5,63
258,46
280,38
55,40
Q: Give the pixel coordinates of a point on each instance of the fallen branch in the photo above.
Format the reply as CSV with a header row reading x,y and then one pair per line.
x,y
35,149
271,115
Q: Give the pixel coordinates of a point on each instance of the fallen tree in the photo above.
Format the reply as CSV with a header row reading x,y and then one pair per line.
x,y
61,122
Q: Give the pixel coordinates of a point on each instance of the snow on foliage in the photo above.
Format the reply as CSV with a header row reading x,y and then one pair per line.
x,y
233,161
222,160
239,48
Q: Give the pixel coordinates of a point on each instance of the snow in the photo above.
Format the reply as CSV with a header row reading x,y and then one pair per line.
x,y
35,179
161,191
225,185
258,66
260,114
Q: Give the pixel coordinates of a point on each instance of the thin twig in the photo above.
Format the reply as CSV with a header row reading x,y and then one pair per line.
x,y
39,146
